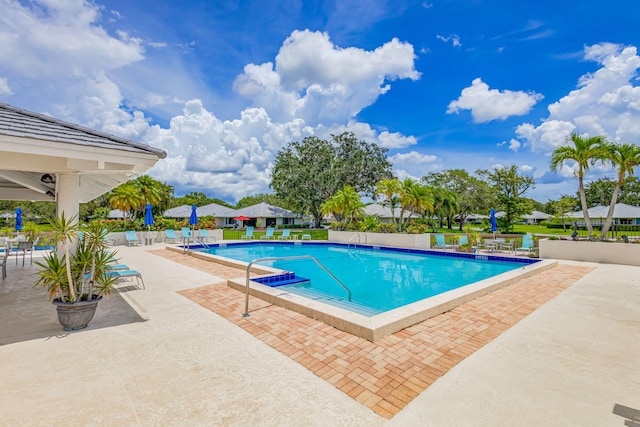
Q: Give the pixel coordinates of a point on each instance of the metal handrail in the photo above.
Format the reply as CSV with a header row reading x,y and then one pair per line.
x,y
186,243
246,299
351,238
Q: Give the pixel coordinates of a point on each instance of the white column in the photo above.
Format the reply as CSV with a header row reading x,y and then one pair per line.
x,y
68,195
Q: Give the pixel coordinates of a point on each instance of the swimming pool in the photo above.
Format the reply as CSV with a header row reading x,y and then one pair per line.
x,y
380,279
349,316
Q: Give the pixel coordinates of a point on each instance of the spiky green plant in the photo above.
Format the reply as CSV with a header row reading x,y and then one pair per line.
x,y
81,273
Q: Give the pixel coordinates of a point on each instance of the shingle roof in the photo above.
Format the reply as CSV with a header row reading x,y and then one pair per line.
x,y
620,210
183,211
214,209
27,124
265,210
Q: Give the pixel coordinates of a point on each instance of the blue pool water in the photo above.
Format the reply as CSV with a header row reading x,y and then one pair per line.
x,y
380,279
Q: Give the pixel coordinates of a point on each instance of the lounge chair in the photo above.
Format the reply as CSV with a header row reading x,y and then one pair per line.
x,y
132,238
204,236
186,232
286,235
248,235
171,235
441,243
128,274
268,235
463,240
527,244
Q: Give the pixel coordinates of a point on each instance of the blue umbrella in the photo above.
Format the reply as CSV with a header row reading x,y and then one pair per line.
x,y
18,219
148,217
492,218
193,219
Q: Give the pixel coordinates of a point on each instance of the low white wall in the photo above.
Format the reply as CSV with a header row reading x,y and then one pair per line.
x,y
604,252
157,236
422,241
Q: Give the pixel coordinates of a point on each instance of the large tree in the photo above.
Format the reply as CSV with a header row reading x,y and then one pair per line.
x,y
510,186
600,191
308,172
624,158
414,198
585,152
473,194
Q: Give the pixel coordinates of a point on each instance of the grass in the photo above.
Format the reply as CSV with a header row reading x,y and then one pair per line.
x,y
316,234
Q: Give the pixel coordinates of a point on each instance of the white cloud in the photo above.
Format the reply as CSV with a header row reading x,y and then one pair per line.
x,y
605,102
412,157
66,64
514,144
491,104
4,87
319,82
454,39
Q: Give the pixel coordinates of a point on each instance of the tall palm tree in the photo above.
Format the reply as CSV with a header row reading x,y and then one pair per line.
x,y
389,189
585,152
624,158
125,197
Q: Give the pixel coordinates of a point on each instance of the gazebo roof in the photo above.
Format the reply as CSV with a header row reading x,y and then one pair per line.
x,y
35,148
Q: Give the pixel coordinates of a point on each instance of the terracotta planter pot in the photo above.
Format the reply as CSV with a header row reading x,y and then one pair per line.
x,y
77,315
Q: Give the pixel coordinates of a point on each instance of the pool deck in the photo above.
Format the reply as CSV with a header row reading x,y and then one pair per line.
x,y
559,350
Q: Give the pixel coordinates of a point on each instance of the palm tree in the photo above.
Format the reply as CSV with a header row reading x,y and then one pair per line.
x,y
125,197
624,158
344,203
585,152
390,190
414,197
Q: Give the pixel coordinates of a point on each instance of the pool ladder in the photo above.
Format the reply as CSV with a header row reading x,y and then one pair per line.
x,y
286,258
354,240
186,243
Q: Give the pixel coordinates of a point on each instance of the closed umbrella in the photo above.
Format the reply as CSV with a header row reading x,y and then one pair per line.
x,y
148,220
193,219
492,218
18,219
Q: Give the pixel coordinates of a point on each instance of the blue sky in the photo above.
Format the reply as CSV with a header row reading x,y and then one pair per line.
x,y
222,86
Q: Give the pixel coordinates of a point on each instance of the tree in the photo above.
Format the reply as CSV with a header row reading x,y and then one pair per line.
x,y
153,191
360,164
414,197
560,208
624,158
125,197
308,172
345,204
585,152
389,189
445,205
510,186
473,194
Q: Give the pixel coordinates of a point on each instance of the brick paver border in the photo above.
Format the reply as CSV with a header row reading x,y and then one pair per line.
x,y
387,374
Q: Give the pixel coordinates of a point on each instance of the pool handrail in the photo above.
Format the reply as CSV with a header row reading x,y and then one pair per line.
x,y
246,299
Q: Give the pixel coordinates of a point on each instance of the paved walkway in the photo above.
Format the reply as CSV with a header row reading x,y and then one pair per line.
x,y
154,357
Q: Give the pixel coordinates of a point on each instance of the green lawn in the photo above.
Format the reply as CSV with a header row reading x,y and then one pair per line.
x,y
315,234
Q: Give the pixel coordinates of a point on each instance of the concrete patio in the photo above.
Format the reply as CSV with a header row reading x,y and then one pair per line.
x,y
154,357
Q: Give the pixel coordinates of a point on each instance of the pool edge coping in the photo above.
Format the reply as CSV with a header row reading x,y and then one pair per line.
x,y
381,325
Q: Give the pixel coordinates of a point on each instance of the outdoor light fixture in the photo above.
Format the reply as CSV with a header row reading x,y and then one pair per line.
x,y
48,179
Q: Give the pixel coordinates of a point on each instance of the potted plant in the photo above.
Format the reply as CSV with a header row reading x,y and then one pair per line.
x,y
76,278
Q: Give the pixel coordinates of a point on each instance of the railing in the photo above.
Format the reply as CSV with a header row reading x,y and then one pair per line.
x,y
246,300
351,240
186,243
